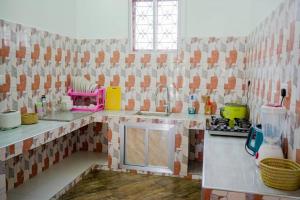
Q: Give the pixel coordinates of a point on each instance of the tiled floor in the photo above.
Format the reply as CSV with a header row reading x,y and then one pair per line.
x,y
115,185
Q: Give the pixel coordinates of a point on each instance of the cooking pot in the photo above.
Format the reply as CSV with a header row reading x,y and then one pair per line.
x,y
234,110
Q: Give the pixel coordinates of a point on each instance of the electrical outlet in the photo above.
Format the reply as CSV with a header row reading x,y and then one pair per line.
x,y
2,79
284,86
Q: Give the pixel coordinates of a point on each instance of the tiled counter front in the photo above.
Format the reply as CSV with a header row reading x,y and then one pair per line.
x,y
181,140
22,159
210,194
26,157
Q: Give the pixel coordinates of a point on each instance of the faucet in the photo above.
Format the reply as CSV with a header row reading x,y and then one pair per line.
x,y
167,106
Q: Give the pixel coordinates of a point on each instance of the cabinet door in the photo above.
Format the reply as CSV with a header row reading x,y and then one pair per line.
x,y
135,146
158,153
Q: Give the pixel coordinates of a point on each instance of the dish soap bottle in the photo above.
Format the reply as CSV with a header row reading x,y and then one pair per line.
x,y
208,106
191,107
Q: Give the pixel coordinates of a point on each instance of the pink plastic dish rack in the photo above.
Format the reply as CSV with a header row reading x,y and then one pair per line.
x,y
99,94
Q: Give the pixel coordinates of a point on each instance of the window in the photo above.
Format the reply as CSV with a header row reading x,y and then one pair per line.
x,y
154,24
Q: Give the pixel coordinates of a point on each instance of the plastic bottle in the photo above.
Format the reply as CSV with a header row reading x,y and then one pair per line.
x,y
208,106
191,107
44,104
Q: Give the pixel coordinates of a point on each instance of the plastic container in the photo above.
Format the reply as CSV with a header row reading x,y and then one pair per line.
x,y
272,118
191,107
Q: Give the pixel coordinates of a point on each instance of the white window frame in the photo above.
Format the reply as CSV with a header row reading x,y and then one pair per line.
x,y
130,29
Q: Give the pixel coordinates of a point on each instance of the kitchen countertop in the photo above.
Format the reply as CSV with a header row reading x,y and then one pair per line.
x,y
227,166
24,132
45,131
173,116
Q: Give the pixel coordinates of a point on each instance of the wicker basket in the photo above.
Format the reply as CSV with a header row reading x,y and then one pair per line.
x,y
29,118
280,173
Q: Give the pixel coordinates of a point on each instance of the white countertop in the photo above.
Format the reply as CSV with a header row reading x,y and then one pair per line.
x,y
227,166
18,135
24,132
173,116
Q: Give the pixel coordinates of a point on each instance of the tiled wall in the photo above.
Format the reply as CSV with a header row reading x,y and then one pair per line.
x,y
196,141
273,62
37,62
23,167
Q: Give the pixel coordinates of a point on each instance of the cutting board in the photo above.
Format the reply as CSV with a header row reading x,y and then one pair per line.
x,y
113,98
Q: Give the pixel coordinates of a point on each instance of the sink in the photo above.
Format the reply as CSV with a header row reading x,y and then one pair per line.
x,y
148,113
64,116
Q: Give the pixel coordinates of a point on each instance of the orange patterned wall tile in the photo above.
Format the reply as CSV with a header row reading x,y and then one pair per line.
x,y
20,54
196,59
68,81
161,59
4,50
213,83
130,59
4,88
279,46
230,85
231,60
75,59
86,57
115,58
100,58
178,140
116,80
109,135
58,55
196,83
36,52
20,178
146,59
68,57
161,107
178,107
101,80
146,83
34,170
131,82
146,105
130,105
47,84
269,93
179,82
27,144
298,106
22,85
287,101
87,77
206,193
47,55
263,89
163,80
57,83
214,58
177,168
23,109
11,149
36,82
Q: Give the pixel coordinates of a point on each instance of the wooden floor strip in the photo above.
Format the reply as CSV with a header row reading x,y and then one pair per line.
x,y
116,185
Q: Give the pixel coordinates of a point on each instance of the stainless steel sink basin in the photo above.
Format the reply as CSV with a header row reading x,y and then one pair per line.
x,y
158,114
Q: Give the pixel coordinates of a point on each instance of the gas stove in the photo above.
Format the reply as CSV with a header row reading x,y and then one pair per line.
x,y
220,126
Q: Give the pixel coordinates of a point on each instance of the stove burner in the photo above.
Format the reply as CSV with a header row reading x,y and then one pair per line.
x,y
222,124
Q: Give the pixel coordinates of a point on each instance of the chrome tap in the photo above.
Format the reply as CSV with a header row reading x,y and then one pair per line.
x,y
167,105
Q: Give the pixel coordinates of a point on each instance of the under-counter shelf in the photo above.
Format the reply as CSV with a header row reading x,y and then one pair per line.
x,y
195,168
53,180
